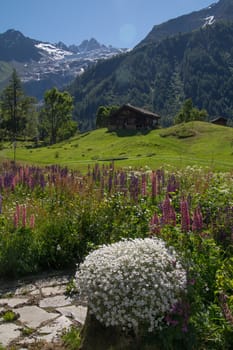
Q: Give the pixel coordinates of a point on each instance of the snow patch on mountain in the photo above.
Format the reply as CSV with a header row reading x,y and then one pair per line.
x,y
52,51
208,21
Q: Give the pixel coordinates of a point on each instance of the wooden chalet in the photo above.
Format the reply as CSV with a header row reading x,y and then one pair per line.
x,y
219,121
133,118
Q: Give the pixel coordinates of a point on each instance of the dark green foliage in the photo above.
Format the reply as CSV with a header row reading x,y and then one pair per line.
x,y
103,114
189,113
72,339
17,111
55,117
161,76
19,253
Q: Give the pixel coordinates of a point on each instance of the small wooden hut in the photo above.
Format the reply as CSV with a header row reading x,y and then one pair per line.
x,y
133,118
219,121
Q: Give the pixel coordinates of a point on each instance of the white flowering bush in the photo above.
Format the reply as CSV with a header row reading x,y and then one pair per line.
x,y
132,283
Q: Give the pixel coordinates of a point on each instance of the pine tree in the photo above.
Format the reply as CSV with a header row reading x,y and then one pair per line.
x,y
16,108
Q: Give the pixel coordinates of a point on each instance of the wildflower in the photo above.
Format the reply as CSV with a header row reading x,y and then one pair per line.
x,y
131,283
32,221
168,212
185,217
143,184
197,223
155,224
154,184
24,216
172,185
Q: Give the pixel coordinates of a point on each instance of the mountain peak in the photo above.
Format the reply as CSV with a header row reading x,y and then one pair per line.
x,y
89,45
13,34
222,10
15,46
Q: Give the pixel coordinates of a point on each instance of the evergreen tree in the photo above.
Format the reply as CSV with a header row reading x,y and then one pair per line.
x,y
16,108
188,113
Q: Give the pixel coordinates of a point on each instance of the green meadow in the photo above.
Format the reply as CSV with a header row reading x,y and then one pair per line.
x,y
193,143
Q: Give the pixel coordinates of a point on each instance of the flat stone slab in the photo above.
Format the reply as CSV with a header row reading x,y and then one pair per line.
x,y
33,316
35,292
52,282
52,331
57,301
49,291
8,332
13,302
26,289
78,313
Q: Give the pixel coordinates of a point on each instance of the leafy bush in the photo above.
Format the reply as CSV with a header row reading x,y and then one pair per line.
x,y
18,253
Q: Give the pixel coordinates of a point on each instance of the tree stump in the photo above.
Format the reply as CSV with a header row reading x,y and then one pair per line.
x,y
97,336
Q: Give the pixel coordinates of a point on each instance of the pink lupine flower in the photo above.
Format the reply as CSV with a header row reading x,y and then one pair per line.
x,y
168,212
32,221
24,216
16,220
13,183
185,217
18,210
143,184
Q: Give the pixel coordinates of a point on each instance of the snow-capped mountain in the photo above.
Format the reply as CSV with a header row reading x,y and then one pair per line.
x,y
52,52
43,65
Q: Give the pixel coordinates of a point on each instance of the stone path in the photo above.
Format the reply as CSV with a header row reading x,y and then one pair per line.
x,y
43,311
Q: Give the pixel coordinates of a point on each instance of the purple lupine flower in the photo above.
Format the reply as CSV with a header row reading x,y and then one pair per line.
x,y
171,185
123,180
182,311
143,185
102,186
42,181
115,180
197,223
110,182
0,204
185,217
172,216
153,184
134,188
155,224
89,170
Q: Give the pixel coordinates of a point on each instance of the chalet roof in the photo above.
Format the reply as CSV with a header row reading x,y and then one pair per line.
x,y
218,119
137,110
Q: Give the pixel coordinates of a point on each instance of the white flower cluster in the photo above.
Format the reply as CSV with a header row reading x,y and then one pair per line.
x,y
130,283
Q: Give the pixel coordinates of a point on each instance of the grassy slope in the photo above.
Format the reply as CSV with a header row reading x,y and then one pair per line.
x,y
207,145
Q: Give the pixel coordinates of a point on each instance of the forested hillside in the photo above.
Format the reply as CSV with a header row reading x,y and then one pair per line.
x,y
160,76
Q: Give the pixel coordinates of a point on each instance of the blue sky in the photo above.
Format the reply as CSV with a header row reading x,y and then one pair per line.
x,y
121,23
